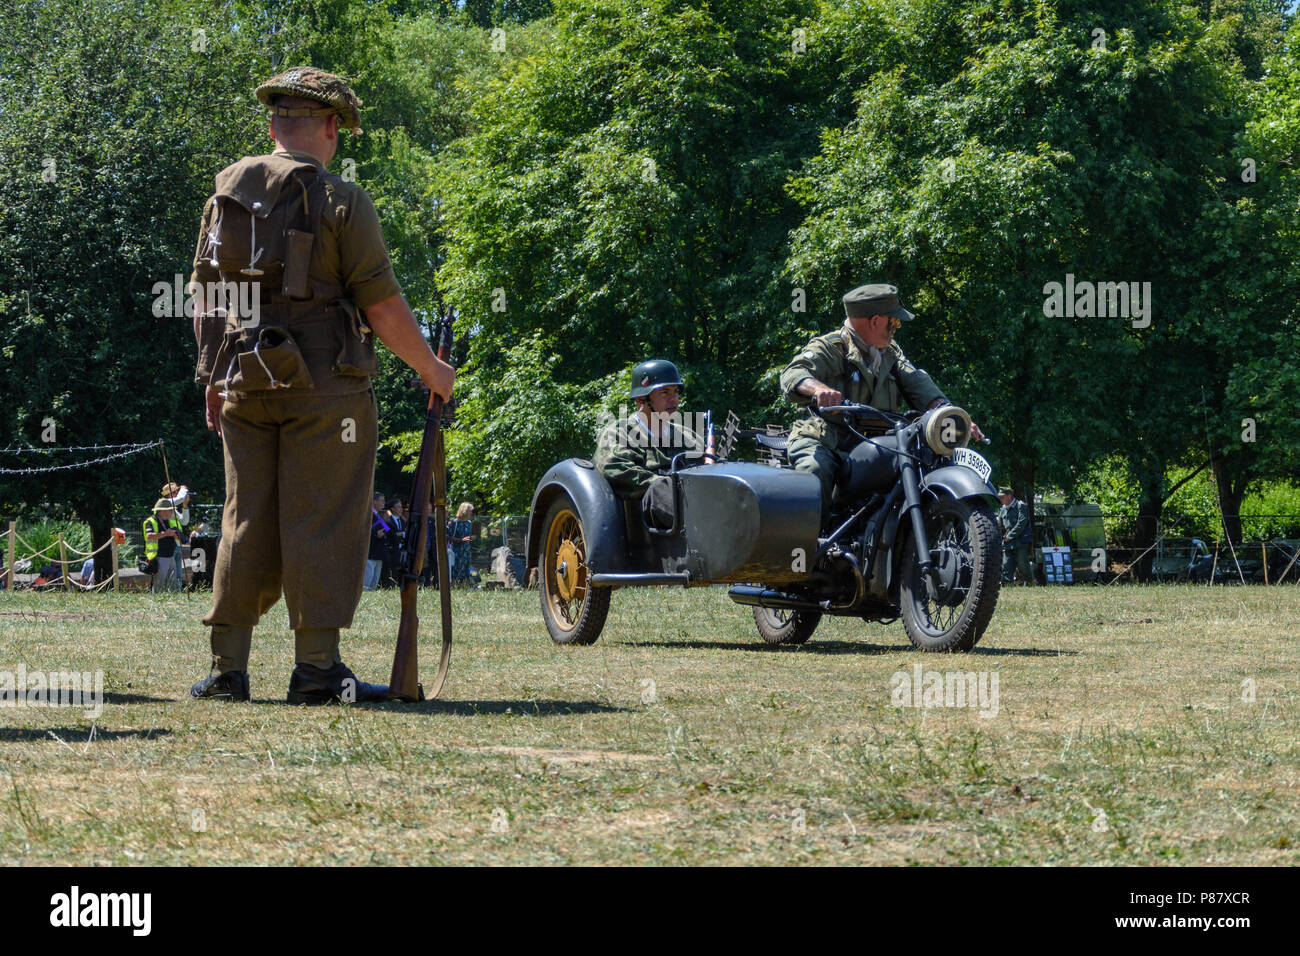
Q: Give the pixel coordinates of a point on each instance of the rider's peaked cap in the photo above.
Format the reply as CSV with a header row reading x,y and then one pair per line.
x,y
877,298
653,374
312,84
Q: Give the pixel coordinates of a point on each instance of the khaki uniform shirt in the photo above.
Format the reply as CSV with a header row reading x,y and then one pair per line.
x,y
348,254
842,361
630,458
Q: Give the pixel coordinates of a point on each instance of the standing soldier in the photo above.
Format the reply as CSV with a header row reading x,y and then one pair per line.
x,y
288,386
1017,537
858,362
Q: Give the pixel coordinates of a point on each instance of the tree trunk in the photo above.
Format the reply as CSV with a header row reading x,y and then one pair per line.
x,y
1230,485
1148,522
97,511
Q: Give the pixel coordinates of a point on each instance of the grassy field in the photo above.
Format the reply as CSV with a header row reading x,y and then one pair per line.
x,y
1133,725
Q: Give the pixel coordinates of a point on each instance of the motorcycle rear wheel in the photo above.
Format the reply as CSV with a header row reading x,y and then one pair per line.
x,y
779,626
953,620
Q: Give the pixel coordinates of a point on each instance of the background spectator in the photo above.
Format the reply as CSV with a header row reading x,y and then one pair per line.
x,y
459,535
162,537
378,532
396,541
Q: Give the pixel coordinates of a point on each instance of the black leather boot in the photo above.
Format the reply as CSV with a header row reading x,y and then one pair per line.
x,y
232,685
312,686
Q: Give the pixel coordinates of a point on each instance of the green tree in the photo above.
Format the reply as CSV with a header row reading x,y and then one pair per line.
x,y
111,112
623,194
1003,146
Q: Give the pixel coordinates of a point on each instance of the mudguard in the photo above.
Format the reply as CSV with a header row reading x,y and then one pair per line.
x,y
955,480
959,482
599,510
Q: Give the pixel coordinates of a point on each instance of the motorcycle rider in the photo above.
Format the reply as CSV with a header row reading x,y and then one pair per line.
x,y
634,453
858,362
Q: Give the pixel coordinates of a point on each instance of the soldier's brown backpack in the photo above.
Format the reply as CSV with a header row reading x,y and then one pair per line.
x,y
261,224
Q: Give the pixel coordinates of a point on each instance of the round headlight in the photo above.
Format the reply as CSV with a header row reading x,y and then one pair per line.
x,y
948,429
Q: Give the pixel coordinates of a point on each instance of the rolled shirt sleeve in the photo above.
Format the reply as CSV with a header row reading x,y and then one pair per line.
x,y
365,269
813,361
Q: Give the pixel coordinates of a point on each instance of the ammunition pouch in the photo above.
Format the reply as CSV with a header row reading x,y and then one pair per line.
x,y
212,333
354,353
264,358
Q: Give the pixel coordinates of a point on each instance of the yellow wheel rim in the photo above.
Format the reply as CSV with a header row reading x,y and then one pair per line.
x,y
565,575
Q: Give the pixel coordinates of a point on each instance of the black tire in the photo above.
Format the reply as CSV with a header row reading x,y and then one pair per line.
x,y
778,626
574,611
955,618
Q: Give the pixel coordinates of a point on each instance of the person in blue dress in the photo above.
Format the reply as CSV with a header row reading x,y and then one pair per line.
x,y
459,535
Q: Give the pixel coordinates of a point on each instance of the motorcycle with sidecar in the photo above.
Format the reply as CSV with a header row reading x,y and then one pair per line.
x,y
912,534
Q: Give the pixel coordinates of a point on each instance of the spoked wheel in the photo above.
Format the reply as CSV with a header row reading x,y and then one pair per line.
x,y
574,611
779,626
951,613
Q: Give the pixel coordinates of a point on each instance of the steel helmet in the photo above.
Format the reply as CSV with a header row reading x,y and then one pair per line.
x,y
653,374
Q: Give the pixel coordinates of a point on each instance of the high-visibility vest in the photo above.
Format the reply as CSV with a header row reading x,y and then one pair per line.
x,y
151,526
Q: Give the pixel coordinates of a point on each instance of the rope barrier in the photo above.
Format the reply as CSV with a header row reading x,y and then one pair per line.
x,y
87,554
31,547
36,554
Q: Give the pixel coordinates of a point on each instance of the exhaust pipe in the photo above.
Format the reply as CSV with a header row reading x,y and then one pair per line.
x,y
752,596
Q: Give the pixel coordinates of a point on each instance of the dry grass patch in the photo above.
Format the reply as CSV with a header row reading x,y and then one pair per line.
x,y
1133,725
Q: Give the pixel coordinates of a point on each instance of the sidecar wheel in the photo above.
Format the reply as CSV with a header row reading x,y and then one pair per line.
x,y
777,626
574,611
964,538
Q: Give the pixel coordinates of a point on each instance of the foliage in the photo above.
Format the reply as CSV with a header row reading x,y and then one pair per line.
x,y
998,149
512,423
623,194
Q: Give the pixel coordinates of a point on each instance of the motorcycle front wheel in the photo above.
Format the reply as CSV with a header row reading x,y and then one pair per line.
x,y
952,613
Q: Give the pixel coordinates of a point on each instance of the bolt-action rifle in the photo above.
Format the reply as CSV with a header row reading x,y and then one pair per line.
x,y
430,475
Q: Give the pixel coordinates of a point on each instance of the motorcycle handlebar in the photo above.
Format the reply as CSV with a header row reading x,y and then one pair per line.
x,y
853,408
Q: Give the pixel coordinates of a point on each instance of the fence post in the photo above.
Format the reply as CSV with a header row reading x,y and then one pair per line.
x,y
112,551
9,572
63,564
1263,553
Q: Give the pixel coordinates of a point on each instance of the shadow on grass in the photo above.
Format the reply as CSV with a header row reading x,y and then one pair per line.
x,y
812,647
484,708
1023,651
838,647
78,735
111,697
517,708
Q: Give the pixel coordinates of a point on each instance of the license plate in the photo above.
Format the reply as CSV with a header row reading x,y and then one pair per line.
x,y
974,461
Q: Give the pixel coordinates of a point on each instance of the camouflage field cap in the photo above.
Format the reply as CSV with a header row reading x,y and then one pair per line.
x,y
878,298
313,84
